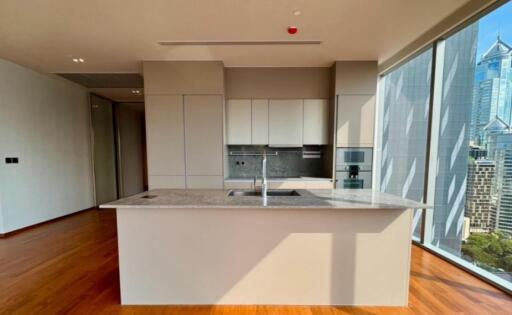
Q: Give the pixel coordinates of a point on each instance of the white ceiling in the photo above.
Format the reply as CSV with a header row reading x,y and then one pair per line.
x,y
115,35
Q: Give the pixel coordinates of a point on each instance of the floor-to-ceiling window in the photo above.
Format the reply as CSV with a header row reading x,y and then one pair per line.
x,y
466,155
405,96
453,107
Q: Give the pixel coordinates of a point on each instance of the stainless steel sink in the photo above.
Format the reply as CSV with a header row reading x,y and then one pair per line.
x,y
239,193
289,193
246,193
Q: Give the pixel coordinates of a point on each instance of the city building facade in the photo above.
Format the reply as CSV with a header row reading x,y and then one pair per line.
x,y
492,89
499,144
480,201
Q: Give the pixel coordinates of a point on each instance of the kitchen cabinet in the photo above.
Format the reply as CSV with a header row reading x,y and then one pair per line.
x,y
292,122
355,120
238,121
203,137
165,140
259,123
316,122
184,141
285,122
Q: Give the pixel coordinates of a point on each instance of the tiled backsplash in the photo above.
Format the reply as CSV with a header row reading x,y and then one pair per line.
x,y
244,161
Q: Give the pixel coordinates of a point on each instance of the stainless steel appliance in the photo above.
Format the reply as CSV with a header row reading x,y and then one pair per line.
x,y
354,167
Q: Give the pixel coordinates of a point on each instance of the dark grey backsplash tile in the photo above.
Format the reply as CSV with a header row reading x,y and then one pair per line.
x,y
287,163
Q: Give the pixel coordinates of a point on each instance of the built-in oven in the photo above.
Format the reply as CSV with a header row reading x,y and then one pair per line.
x,y
354,168
363,180
362,157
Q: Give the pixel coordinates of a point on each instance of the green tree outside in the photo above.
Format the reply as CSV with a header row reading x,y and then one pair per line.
x,y
490,250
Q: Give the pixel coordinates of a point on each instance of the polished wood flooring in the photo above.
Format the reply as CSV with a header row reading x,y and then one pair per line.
x,y
70,267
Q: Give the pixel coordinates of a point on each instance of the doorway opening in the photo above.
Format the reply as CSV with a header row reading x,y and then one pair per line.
x,y
118,135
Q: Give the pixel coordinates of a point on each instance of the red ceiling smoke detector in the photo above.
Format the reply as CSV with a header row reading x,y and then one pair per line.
x,y
292,30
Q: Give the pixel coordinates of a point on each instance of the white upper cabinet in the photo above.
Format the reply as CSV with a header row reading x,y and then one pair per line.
x,y
316,122
286,122
238,121
356,120
259,126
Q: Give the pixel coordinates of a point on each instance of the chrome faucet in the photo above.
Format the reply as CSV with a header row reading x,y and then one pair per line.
x,y
264,178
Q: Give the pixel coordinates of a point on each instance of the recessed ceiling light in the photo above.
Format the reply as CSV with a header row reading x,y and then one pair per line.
x,y
297,12
135,92
78,60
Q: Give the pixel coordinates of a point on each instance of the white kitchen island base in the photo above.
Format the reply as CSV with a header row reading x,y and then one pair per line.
x,y
285,256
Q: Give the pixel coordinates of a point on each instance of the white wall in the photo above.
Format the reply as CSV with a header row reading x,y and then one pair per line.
x,y
293,83
44,120
183,77
2,229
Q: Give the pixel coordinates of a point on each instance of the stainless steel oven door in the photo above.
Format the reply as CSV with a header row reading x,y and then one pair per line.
x,y
364,180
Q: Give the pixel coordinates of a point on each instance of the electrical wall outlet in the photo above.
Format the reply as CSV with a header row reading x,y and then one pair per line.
x,y
11,160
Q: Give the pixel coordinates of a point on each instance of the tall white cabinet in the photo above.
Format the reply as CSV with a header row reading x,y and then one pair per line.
x,y
203,141
165,141
184,141
184,123
355,88
356,120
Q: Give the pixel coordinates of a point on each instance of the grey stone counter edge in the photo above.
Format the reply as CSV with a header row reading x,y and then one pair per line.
x,y
348,199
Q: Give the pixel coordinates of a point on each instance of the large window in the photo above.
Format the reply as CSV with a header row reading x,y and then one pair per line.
x,y
405,95
469,163
453,109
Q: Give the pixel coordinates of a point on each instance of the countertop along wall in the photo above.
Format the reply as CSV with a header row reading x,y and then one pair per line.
x,y
44,121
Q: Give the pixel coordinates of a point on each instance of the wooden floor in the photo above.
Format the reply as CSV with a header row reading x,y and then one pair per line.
x,y
70,267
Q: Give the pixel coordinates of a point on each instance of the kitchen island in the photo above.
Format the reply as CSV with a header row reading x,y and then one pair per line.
x,y
304,247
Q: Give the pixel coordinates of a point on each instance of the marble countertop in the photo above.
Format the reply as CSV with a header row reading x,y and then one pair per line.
x,y
278,179
308,199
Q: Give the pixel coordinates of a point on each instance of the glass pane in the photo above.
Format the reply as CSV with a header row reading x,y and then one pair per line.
x,y
472,216
405,99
